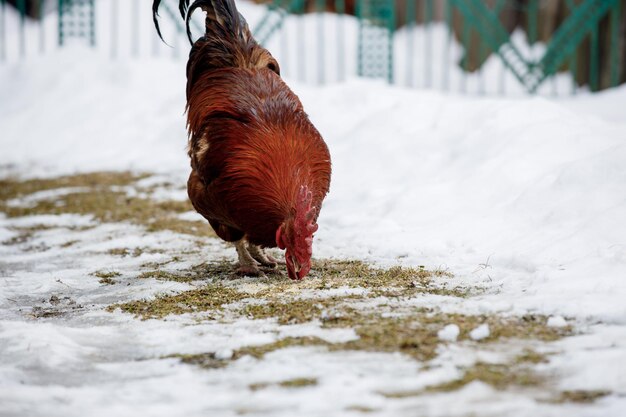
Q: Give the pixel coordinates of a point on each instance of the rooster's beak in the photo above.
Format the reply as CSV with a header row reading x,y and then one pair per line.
x,y
294,268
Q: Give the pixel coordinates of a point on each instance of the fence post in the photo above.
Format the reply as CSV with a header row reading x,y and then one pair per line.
x,y
502,4
3,53
92,23
595,58
301,40
320,6
410,32
446,56
532,13
340,7
135,28
114,29
60,22
428,39
284,46
21,6
466,46
614,47
391,27
42,35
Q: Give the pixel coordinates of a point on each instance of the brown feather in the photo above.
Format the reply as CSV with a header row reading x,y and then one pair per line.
x,y
261,149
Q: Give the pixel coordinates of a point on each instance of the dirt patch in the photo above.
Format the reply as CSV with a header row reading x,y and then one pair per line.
x,y
106,277
55,306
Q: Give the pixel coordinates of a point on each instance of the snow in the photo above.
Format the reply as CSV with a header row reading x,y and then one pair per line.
x,y
481,332
224,354
449,333
524,197
556,321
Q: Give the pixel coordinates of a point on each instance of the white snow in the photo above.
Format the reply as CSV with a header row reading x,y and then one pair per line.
x,y
449,333
524,197
480,332
224,354
556,321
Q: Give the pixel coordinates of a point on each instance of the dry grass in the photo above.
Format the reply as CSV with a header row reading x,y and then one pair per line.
x,y
208,298
580,396
100,196
290,383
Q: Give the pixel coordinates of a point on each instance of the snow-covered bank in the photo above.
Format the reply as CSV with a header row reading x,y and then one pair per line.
x,y
532,189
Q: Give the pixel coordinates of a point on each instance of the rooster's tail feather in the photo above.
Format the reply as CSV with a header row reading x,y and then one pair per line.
x,y
227,41
222,18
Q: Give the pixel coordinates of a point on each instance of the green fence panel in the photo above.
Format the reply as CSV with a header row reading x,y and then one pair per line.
x,y
77,20
582,20
375,38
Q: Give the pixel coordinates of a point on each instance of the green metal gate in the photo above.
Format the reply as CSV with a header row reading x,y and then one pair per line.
x,y
583,21
77,20
375,44
379,19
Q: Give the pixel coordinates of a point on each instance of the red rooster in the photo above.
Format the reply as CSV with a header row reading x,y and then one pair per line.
x,y
259,168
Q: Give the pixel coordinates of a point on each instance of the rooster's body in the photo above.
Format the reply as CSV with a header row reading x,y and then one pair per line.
x,y
259,168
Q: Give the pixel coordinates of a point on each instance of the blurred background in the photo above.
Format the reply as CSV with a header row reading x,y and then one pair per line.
x,y
551,47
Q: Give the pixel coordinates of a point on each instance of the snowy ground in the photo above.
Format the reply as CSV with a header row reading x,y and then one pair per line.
x,y
516,205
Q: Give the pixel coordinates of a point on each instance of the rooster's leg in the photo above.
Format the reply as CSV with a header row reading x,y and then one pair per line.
x,y
247,265
261,256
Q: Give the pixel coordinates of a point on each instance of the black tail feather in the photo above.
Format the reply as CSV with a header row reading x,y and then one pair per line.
x,y
183,5
155,17
220,13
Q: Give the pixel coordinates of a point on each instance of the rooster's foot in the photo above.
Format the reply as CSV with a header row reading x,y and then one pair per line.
x,y
261,256
272,272
247,264
247,271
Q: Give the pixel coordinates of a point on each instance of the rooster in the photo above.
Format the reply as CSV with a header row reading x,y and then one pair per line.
x,y
259,168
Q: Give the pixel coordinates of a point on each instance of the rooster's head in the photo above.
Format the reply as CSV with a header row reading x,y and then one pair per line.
x,y
296,235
